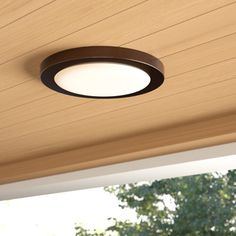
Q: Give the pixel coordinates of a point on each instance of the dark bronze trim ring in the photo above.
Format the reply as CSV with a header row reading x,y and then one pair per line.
x,y
61,60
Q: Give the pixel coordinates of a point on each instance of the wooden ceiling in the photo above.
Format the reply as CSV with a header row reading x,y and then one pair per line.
x,y
43,132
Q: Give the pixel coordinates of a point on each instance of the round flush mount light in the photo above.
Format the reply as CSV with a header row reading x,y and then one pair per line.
x,y
102,72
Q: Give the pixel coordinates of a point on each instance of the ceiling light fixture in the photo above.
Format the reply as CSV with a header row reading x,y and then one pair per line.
x,y
102,72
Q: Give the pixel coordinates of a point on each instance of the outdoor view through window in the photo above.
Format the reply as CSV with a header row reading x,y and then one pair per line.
x,y
198,205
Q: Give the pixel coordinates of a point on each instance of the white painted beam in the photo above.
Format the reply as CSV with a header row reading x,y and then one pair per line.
x,y
198,161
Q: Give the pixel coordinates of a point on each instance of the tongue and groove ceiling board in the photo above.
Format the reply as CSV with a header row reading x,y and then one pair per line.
x,y
43,132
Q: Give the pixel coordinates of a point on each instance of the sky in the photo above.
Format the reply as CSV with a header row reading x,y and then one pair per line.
x,y
57,214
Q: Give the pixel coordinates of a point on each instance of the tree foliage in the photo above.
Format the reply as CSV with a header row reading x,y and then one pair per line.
x,y
202,205
80,231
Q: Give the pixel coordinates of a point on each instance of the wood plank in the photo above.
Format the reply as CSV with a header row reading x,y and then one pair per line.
x,y
15,97
57,103
200,59
196,31
34,144
75,110
123,122
209,53
12,10
61,18
48,105
205,54
27,66
211,131
37,124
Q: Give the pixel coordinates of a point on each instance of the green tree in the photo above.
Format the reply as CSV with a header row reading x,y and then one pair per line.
x,y
203,205
80,231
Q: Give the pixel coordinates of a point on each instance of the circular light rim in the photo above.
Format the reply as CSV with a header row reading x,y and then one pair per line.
x,y
61,60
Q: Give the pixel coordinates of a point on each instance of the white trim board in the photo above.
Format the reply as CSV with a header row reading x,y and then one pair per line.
x,y
217,158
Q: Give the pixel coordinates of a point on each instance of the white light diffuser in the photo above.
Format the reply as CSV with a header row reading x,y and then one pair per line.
x,y
102,79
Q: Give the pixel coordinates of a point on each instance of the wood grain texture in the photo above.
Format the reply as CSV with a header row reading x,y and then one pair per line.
x,y
82,112
125,30
38,127
210,53
12,11
126,121
54,21
218,50
186,136
55,107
